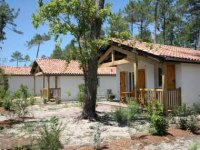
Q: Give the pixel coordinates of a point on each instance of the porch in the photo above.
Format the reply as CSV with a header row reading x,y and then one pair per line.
x,y
49,91
143,77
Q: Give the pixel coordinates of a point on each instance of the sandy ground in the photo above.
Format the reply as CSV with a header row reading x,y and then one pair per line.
x,y
76,132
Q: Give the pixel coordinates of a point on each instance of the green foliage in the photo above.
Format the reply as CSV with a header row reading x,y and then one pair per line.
x,y
57,53
182,111
121,116
81,94
7,103
37,40
138,13
28,127
188,123
154,107
8,15
32,100
194,146
124,116
159,123
3,84
16,56
50,136
118,26
196,108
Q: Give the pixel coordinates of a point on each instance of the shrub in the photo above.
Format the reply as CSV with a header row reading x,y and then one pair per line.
x,y
154,107
133,110
188,123
121,116
182,111
32,100
7,103
50,136
159,123
20,102
81,94
196,108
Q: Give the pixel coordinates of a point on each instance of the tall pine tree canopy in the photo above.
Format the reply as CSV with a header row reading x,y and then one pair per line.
x,y
7,17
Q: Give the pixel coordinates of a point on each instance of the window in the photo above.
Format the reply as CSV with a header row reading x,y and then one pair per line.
x,y
159,77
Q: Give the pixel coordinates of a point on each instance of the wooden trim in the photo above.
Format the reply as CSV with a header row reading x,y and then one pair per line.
x,y
123,51
43,81
48,87
34,85
101,59
136,75
38,74
115,63
164,86
113,55
56,82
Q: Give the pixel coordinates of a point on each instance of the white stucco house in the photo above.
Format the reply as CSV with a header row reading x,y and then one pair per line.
x,y
148,71
59,78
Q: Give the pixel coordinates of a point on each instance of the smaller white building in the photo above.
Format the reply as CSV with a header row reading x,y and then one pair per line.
x,y
64,78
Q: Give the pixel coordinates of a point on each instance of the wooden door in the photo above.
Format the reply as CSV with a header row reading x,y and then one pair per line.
x,y
122,84
141,79
170,77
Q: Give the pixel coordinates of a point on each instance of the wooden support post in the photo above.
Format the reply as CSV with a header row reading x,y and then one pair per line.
x,y
48,87
113,55
34,93
136,75
56,81
164,87
43,81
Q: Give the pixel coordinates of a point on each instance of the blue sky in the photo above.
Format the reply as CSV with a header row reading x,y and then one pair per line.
x,y
16,42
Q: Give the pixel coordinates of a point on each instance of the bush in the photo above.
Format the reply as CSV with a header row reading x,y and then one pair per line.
x,y
50,136
7,103
188,123
133,110
121,116
196,108
154,107
182,111
81,94
32,100
159,123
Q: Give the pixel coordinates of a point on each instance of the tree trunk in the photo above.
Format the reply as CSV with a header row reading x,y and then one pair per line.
x,y
164,23
155,21
38,49
90,69
198,41
141,30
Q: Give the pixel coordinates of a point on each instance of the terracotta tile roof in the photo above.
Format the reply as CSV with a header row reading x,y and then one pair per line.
x,y
61,67
16,70
166,51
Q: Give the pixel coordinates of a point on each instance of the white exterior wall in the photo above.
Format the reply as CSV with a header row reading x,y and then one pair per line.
x,y
149,74
16,81
190,83
71,84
